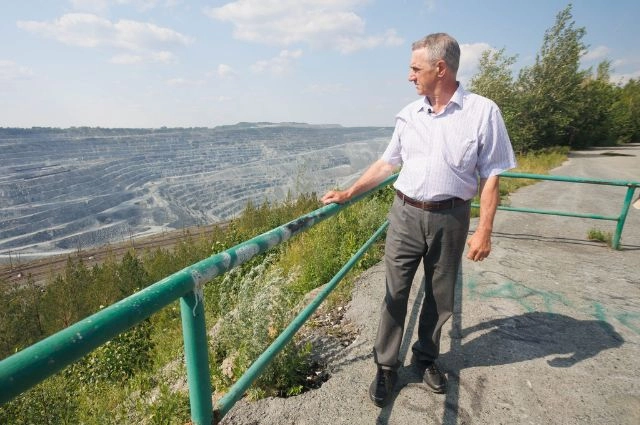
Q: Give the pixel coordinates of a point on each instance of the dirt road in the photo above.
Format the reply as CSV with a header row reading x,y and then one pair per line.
x,y
546,330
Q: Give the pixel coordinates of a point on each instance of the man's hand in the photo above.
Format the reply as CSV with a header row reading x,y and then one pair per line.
x,y
480,242
375,174
479,245
337,196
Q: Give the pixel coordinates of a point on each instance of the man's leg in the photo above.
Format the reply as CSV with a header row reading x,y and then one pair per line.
x,y
404,249
447,235
403,252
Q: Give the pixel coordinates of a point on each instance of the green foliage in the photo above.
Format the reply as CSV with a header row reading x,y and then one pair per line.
x,y
553,102
592,126
550,90
494,80
600,236
625,113
51,402
20,317
169,408
259,309
117,360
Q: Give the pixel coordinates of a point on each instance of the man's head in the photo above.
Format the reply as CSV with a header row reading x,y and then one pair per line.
x,y
440,46
434,59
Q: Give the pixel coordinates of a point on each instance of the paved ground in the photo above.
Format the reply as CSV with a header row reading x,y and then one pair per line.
x,y
547,329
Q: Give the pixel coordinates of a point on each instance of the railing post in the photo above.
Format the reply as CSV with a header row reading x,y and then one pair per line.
x,y
615,244
196,354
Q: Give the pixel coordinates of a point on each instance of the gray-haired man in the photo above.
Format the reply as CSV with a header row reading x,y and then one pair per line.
x,y
450,144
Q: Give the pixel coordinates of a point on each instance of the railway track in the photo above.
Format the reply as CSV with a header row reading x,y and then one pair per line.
x,y
18,271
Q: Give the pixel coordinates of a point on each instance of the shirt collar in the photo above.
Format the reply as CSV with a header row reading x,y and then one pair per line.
x,y
457,98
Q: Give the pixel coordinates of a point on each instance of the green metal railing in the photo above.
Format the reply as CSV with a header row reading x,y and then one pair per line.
x,y
32,365
620,219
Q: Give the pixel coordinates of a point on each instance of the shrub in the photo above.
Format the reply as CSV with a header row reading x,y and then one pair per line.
x,y
117,360
261,309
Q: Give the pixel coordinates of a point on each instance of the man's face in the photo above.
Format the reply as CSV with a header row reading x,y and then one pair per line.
x,y
422,72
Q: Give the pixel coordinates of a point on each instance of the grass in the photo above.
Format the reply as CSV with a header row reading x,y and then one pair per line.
x,y
539,162
599,236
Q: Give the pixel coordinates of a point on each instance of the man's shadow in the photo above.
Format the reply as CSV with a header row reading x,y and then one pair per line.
x,y
533,335
504,341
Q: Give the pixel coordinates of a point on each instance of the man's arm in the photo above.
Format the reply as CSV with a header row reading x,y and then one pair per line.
x,y
480,242
375,174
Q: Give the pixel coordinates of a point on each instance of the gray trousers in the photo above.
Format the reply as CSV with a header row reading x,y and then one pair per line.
x,y
437,238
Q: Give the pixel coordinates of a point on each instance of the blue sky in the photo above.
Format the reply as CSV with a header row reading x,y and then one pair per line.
x,y
179,63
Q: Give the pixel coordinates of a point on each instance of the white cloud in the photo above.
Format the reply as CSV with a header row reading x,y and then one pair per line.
x,y
183,82
162,56
126,59
92,31
225,71
99,6
596,54
278,65
351,44
140,4
10,71
154,57
625,77
631,70
470,58
324,23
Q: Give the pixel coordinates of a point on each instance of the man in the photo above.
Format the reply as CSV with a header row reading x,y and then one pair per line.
x,y
445,142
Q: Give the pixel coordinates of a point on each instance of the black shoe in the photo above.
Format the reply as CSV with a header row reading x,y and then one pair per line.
x,y
435,379
382,386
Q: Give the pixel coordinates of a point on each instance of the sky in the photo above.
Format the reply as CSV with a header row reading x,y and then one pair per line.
x,y
180,63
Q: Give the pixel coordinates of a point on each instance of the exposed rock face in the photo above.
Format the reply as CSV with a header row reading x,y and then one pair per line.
x,y
81,187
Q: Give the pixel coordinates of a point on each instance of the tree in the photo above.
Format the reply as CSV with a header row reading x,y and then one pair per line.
x,y
132,276
625,113
551,89
494,80
592,126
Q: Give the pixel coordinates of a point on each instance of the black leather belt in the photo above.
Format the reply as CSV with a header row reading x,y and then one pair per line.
x,y
445,204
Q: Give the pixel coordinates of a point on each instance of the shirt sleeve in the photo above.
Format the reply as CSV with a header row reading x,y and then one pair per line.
x,y
393,154
496,153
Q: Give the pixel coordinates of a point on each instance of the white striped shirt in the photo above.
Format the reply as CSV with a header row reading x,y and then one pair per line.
x,y
442,155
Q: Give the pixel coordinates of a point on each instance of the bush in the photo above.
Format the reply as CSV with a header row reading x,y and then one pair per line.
x,y
258,309
117,360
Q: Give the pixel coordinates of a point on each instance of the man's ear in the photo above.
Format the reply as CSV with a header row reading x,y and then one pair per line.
x,y
441,67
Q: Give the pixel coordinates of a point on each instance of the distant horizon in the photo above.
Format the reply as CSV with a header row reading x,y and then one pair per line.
x,y
238,124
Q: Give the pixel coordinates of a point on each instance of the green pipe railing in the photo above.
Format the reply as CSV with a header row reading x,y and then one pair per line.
x,y
32,365
620,219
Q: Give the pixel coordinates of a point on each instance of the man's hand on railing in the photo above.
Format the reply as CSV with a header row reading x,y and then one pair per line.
x,y
337,196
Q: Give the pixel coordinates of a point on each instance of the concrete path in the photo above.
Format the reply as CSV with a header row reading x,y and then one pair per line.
x,y
546,330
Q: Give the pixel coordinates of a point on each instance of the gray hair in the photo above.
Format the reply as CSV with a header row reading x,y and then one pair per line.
x,y
440,46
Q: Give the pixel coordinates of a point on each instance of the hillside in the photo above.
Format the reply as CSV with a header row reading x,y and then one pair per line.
x,y
63,190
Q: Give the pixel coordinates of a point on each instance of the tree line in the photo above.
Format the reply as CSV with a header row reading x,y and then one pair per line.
x,y
555,103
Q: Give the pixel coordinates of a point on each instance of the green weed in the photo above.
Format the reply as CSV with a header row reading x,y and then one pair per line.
x,y
600,236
